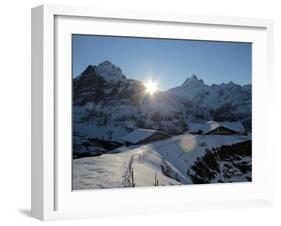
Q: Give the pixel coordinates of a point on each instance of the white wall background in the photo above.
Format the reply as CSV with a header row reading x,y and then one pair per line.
x,y
15,111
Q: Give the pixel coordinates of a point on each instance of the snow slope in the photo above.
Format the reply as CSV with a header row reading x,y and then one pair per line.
x,y
165,162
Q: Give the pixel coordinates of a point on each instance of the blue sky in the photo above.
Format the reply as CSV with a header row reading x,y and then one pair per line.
x,y
169,62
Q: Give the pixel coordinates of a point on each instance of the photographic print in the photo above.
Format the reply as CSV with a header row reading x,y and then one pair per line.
x,y
160,112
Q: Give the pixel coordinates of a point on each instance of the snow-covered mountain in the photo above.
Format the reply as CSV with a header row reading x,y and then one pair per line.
x,y
224,102
107,105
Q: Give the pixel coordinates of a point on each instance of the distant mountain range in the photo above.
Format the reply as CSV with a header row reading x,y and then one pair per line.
x,y
107,105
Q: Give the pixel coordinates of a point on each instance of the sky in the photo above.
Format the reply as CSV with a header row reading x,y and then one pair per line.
x,y
167,61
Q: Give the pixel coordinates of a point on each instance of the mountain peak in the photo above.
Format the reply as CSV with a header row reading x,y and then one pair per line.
x,y
194,77
106,70
193,80
105,63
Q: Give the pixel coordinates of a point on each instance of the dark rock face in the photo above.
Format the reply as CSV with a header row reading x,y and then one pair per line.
x,y
232,163
93,87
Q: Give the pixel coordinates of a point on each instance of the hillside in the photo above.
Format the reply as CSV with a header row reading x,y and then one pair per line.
x,y
171,161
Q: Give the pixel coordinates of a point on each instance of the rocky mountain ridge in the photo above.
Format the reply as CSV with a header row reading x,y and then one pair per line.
x,y
107,105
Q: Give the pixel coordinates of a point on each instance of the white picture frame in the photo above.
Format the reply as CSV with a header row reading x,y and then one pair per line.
x,y
52,197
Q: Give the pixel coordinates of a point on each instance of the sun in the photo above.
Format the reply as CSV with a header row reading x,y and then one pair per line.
x,y
151,87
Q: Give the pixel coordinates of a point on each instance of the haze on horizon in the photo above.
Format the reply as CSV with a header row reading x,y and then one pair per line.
x,y
169,62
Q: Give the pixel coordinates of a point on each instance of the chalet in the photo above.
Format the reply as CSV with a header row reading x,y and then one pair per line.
x,y
143,136
217,128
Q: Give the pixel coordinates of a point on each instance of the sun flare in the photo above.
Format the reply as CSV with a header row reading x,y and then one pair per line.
x,y
151,87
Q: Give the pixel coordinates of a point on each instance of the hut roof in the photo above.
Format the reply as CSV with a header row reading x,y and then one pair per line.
x,y
138,135
212,125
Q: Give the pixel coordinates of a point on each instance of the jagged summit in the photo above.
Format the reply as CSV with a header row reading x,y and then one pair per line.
x,y
108,66
193,80
105,63
194,77
109,71
106,70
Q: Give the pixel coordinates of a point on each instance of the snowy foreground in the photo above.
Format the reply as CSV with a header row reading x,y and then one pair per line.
x,y
164,162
